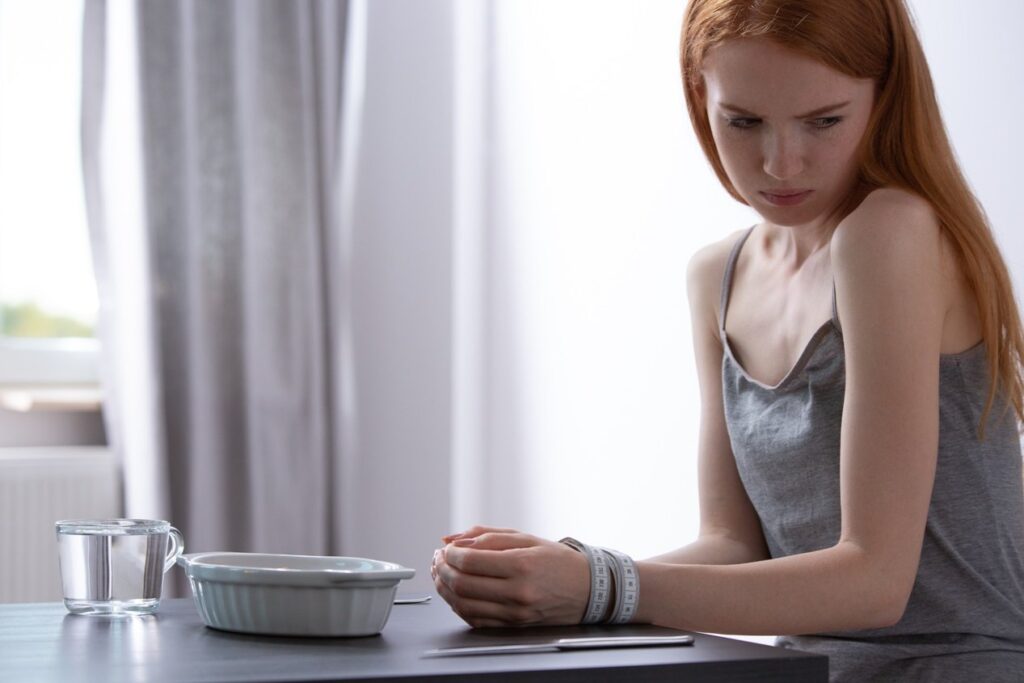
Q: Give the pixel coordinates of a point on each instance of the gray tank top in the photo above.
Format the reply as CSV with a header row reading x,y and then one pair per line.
x,y
965,617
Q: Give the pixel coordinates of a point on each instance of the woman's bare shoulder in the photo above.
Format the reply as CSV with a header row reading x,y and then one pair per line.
x,y
889,213
892,243
886,227
704,276
707,265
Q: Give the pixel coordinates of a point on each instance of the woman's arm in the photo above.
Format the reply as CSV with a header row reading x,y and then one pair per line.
x,y
887,264
730,531
888,271
494,576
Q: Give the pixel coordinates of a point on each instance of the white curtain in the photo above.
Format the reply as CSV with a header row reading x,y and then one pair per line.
x,y
221,301
270,196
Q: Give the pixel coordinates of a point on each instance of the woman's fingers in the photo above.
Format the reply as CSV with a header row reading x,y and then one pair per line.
x,y
498,540
487,554
528,581
501,564
489,563
475,587
511,592
481,613
473,532
434,562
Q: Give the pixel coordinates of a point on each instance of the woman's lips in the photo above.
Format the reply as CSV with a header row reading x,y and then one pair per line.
x,y
786,197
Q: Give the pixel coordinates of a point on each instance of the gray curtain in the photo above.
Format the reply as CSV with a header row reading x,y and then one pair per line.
x,y
239,106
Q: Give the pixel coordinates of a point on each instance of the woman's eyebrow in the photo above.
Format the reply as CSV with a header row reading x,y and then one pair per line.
x,y
817,112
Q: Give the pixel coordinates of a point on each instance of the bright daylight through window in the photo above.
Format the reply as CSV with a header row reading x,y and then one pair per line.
x,y
47,288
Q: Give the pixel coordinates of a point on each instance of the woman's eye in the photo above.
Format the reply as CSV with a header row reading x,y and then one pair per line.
x,y
742,123
826,122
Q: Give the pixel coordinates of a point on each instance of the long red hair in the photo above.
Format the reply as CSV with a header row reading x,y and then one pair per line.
x,y
905,144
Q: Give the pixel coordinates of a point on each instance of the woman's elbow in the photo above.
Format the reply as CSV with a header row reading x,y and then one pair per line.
x,y
883,591
892,597
871,612
893,609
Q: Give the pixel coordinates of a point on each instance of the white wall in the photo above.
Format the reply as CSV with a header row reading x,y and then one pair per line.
x,y
977,60
394,477
601,195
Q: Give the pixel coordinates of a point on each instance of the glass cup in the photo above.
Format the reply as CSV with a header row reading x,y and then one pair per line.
x,y
115,567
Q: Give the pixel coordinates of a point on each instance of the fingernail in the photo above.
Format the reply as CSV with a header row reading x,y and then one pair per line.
x,y
451,537
462,542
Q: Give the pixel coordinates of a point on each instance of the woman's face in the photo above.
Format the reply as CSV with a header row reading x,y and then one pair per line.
x,y
786,126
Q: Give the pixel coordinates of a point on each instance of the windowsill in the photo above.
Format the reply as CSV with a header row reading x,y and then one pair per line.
x,y
51,398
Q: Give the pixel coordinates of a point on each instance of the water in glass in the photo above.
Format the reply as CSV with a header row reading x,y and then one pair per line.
x,y
114,567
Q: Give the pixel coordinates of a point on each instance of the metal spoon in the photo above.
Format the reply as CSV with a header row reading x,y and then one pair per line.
x,y
412,600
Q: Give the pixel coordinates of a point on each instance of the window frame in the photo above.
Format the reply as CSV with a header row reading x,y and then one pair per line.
x,y
49,361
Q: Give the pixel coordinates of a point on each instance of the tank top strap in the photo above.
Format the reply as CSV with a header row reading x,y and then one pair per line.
x,y
835,310
730,267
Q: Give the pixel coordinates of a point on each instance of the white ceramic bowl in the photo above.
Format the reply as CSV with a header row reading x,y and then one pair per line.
x,y
293,595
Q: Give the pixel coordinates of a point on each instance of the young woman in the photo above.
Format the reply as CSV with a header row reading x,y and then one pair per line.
x,y
860,362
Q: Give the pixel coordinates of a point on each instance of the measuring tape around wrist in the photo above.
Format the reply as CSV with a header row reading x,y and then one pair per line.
x,y
627,587
600,580
609,569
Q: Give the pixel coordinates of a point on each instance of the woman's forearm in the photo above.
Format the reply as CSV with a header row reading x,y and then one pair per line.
x,y
713,549
835,589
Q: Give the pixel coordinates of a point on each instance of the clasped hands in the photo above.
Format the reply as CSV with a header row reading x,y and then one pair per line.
x,y
495,577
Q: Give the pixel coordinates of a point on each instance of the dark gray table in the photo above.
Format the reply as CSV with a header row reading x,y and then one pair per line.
x,y
42,643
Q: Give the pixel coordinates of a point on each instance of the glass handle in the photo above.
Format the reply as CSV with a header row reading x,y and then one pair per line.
x,y
176,549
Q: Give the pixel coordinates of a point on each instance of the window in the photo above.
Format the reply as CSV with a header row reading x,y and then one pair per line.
x,y
48,301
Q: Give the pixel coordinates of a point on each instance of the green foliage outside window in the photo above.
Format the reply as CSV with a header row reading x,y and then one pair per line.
x,y
29,320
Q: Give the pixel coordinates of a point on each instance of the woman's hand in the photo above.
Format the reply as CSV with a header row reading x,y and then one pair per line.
x,y
501,577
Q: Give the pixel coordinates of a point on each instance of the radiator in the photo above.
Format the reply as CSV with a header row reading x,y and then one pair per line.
x,y
39,486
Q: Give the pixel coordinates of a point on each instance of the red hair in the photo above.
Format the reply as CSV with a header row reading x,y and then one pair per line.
x,y
905,145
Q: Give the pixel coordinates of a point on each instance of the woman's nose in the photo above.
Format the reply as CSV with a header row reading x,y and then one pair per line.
x,y
783,158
